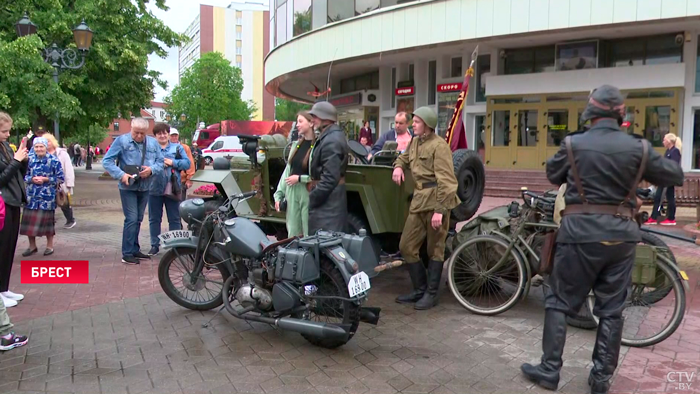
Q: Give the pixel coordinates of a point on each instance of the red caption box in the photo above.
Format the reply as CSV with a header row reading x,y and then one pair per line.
x,y
56,271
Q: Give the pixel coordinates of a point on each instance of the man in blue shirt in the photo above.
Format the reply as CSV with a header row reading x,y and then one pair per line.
x,y
134,172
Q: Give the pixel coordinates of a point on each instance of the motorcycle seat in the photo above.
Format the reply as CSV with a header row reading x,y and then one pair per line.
x,y
268,245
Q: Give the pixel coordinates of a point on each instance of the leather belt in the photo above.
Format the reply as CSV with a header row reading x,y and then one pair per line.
x,y
312,184
615,210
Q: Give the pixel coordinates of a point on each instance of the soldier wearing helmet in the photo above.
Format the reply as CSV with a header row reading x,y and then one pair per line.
x,y
597,239
328,204
430,160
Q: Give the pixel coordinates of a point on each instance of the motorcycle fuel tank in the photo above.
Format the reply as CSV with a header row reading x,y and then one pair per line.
x,y
247,238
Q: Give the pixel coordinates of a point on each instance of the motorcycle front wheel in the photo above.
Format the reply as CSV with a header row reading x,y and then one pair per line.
x,y
196,291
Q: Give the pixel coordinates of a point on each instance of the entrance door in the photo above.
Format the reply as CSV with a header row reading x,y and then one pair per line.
x,y
527,135
560,119
498,135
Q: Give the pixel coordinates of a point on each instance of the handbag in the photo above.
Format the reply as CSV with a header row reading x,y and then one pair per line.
x,y
2,212
61,194
173,188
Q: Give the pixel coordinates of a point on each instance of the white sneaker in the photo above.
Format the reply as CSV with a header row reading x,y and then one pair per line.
x,y
8,302
13,296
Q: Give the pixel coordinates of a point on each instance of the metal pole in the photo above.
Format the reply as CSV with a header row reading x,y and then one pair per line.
x,y
55,121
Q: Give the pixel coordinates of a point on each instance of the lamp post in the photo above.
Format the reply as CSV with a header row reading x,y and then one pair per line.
x,y
60,58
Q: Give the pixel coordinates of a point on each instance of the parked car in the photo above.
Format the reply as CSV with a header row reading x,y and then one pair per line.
x,y
227,146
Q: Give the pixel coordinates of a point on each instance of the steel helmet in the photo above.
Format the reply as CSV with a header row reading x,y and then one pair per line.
x,y
428,115
324,110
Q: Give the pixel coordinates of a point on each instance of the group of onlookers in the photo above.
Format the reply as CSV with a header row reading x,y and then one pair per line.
x,y
154,171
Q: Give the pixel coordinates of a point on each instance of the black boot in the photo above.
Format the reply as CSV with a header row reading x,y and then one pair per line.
x,y
430,298
419,281
606,354
546,374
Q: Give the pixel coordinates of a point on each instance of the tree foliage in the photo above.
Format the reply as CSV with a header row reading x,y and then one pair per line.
x,y
209,91
115,77
94,134
286,110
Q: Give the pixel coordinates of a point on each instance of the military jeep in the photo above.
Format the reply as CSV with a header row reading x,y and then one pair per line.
x,y
375,202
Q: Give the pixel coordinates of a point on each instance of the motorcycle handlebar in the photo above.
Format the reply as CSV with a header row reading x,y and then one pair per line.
x,y
244,195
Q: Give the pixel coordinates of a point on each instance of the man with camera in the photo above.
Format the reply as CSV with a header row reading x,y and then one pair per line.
x,y
133,158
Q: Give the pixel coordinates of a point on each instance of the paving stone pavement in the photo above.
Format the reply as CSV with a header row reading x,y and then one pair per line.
x,y
121,334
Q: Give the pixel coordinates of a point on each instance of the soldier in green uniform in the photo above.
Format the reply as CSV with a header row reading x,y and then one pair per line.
x,y
435,195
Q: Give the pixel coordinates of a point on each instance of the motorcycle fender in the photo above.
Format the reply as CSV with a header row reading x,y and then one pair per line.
x,y
341,258
191,243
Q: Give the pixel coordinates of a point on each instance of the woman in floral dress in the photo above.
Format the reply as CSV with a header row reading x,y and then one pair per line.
x,y
42,178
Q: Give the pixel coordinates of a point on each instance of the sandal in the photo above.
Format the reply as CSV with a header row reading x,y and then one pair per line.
x,y
29,252
48,252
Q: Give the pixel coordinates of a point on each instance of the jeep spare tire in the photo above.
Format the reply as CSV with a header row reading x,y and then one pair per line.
x,y
471,182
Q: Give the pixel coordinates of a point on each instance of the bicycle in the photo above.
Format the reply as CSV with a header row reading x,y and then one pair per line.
x,y
654,268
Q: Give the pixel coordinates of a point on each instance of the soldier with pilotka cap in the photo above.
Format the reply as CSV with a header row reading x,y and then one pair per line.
x,y
596,242
435,195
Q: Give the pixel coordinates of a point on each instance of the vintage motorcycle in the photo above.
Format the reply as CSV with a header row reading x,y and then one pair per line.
x,y
314,285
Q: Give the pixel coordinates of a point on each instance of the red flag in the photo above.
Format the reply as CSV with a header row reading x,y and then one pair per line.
x,y
455,135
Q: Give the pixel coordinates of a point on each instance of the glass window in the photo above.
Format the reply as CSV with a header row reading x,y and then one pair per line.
x,y
280,2
456,67
697,70
364,6
238,50
339,10
116,126
520,61
205,135
389,3
557,126
375,80
363,82
696,141
629,117
446,108
527,128
577,56
411,71
302,16
657,124
544,59
393,87
663,50
319,13
627,53
483,69
217,145
480,130
347,85
500,135
432,81
281,24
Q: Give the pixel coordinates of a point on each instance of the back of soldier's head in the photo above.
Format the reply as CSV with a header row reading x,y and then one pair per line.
x,y
605,102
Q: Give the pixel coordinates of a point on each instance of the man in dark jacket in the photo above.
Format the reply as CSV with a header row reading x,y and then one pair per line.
x,y
328,205
400,133
597,239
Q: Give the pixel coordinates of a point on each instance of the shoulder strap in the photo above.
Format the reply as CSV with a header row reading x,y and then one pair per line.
x,y
574,170
143,151
642,166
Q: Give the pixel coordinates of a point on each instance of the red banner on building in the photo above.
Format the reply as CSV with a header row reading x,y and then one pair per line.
x,y
55,271
405,91
449,87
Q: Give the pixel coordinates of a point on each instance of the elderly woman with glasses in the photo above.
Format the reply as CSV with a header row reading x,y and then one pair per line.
x,y
42,178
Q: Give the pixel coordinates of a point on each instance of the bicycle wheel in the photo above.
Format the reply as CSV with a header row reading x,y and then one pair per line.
x,y
478,283
648,323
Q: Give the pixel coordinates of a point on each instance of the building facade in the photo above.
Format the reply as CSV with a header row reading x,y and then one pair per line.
x,y
537,62
240,32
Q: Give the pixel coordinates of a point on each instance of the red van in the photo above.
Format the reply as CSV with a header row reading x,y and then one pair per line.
x,y
204,137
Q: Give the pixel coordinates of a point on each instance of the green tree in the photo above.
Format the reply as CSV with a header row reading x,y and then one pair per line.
x,y
286,110
92,135
115,78
209,92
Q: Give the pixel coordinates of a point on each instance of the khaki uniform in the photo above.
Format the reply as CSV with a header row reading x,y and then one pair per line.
x,y
430,161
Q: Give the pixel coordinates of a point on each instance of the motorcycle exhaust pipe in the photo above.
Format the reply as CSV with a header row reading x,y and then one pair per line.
x,y
320,330
370,315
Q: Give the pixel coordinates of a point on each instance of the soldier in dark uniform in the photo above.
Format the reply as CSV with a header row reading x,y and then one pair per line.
x,y
328,203
598,235
435,195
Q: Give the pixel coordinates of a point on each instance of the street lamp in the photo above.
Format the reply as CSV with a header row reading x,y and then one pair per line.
x,y
60,58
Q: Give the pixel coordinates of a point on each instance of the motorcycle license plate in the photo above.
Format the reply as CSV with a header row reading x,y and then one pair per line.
x,y
359,283
175,234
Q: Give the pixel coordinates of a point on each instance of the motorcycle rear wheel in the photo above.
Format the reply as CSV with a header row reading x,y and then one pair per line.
x,y
186,298
331,283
